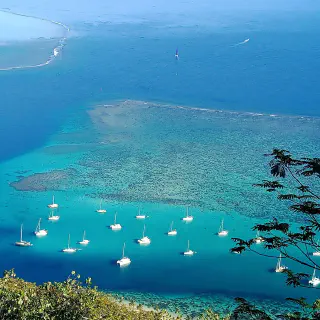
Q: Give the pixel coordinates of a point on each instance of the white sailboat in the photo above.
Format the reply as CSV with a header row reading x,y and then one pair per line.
x,y
314,280
188,252
258,239
222,232
53,217
40,232
317,252
100,210
68,249
53,205
144,239
84,241
279,267
140,216
22,243
187,218
124,261
172,232
116,226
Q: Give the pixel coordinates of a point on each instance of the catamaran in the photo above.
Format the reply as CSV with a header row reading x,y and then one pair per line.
x,y
172,232
258,239
23,243
279,267
53,217
188,252
187,218
68,249
100,210
40,232
140,216
317,253
144,239
222,232
84,241
116,226
314,280
124,261
53,205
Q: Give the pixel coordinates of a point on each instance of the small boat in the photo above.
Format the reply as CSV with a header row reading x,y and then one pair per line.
x,y
172,232
140,216
258,239
22,243
188,252
100,210
222,232
53,205
317,253
53,217
40,232
314,280
177,54
187,218
84,241
144,239
124,261
116,226
55,52
279,267
68,249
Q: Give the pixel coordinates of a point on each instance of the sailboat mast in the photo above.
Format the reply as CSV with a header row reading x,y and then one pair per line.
x,y
115,218
188,245
84,235
21,232
53,199
171,225
69,241
144,229
187,211
124,245
314,273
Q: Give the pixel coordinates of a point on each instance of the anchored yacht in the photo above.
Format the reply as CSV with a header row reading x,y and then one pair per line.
x,y
53,205
279,267
172,232
22,243
187,218
144,239
222,232
314,280
188,252
68,249
40,232
124,261
115,226
84,241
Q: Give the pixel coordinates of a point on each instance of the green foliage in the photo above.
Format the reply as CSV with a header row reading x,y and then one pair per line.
x,y
71,300
66,300
296,244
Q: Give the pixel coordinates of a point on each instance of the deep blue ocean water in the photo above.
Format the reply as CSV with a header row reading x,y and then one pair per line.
x,y
155,155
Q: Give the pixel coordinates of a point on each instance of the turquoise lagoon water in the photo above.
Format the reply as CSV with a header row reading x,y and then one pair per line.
x,y
120,119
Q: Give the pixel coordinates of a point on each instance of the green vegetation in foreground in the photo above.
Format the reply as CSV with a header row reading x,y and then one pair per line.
x,y
70,300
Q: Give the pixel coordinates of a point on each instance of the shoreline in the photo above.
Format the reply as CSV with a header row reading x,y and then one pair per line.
x,y
56,51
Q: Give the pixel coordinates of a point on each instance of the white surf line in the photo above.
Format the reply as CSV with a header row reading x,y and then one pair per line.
x,y
56,50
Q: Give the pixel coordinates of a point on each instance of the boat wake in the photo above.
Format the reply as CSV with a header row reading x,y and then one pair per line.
x,y
56,51
241,43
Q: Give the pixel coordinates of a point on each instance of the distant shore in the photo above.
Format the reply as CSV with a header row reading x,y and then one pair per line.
x,y
56,51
